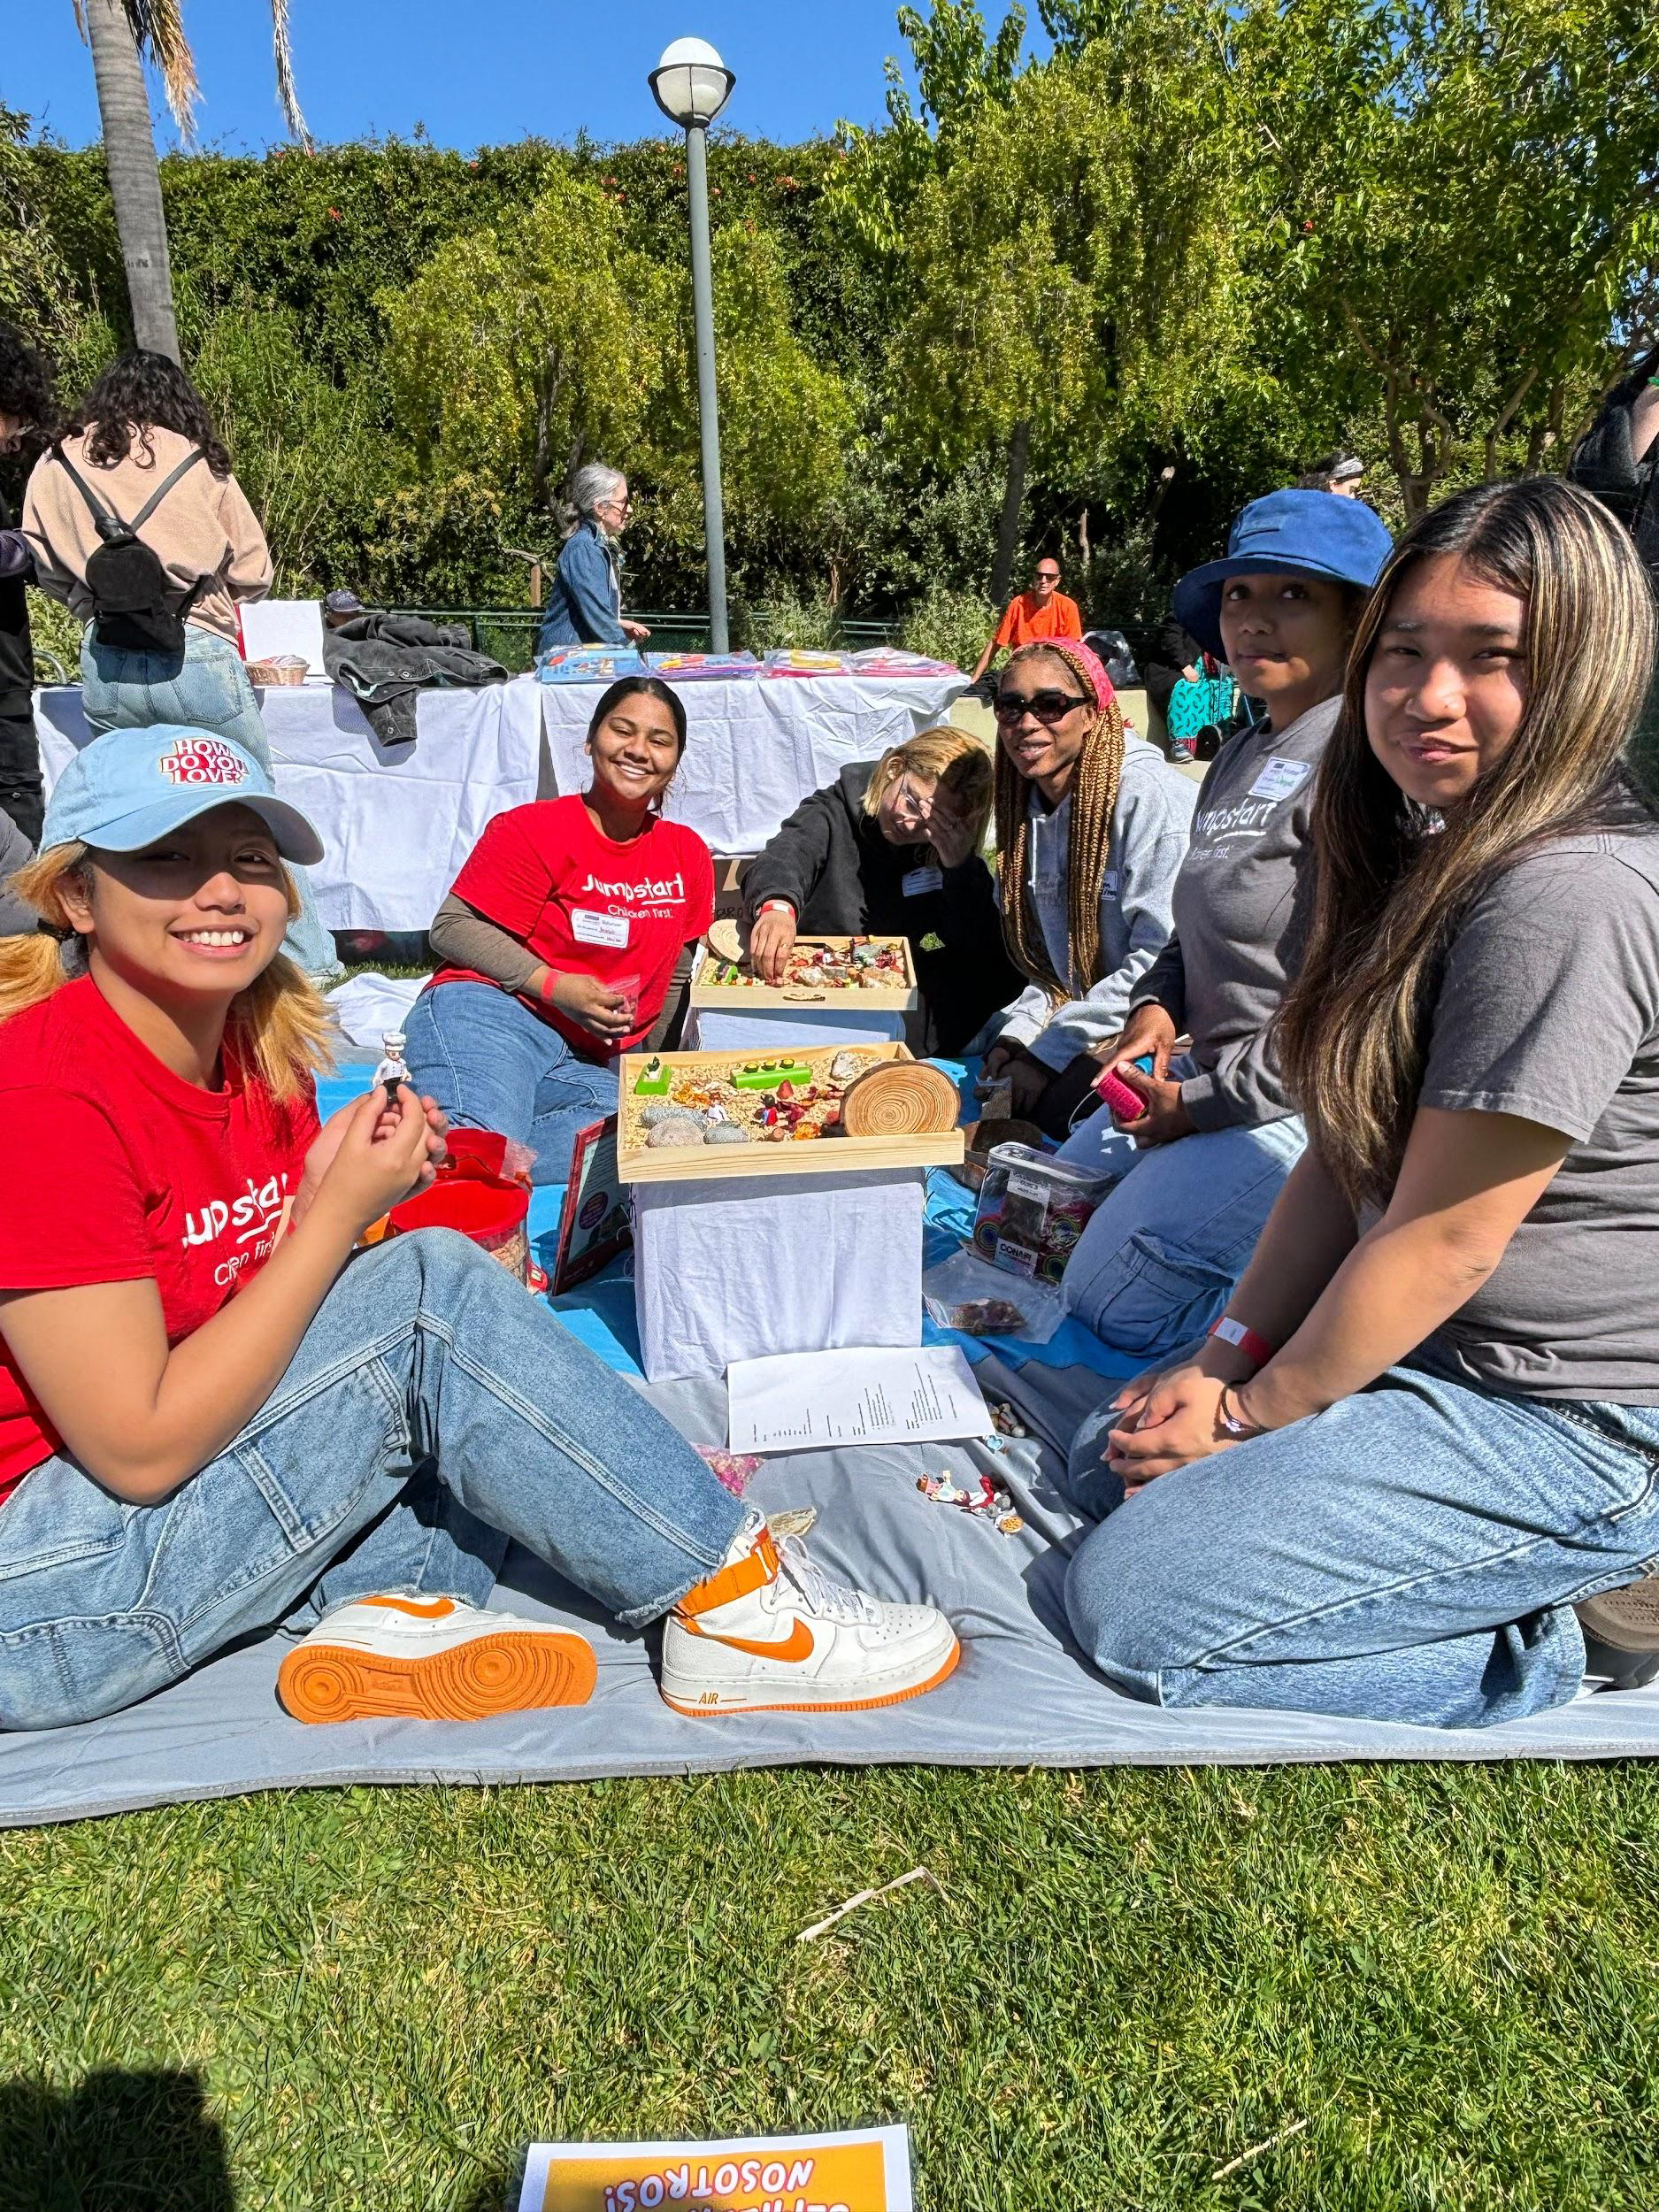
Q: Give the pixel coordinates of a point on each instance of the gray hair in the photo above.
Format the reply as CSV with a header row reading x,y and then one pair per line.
x,y
591,484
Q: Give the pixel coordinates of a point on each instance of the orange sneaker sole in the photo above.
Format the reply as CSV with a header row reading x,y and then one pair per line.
x,y
506,1674
818,1705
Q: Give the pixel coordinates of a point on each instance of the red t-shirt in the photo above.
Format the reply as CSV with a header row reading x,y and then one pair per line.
x,y
114,1169
586,906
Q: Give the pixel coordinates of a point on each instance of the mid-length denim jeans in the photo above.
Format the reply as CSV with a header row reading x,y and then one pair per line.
x,y
208,689
1164,1250
433,1411
492,1063
1412,1555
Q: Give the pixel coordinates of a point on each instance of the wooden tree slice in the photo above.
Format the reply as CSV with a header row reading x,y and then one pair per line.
x,y
724,939
901,1098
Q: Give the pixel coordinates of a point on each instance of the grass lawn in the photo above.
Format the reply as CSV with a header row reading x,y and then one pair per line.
x,y
374,1998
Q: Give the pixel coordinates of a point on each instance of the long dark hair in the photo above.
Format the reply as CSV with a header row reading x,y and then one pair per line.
x,y
139,393
1392,886
633,687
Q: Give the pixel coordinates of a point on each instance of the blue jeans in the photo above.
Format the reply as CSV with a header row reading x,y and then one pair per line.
x,y
491,1064
433,1411
1164,1251
1412,1555
207,690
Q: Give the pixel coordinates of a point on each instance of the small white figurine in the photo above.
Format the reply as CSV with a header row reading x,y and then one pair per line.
x,y
392,1071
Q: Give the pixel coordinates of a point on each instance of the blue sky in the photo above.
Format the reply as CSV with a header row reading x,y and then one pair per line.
x,y
480,73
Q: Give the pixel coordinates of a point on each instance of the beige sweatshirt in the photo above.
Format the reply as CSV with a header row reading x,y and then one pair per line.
x,y
204,527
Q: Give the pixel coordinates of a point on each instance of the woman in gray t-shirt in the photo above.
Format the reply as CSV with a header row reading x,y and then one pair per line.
x,y
1202,1163
1441,1366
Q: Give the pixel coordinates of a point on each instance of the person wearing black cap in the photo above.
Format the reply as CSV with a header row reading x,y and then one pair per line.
x,y
1204,1162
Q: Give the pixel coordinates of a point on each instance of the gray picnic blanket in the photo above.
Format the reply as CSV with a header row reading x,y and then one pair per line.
x,y
1022,1695
385,659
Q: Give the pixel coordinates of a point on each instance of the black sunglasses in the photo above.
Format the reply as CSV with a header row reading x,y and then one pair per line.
x,y
1049,706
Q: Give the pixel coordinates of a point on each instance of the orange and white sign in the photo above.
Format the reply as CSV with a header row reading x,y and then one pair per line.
x,y
867,2173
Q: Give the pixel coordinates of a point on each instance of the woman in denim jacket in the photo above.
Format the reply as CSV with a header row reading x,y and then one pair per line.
x,y
585,605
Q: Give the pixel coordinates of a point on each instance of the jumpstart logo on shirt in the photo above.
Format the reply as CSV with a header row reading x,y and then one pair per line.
x,y
198,760
255,1218
661,894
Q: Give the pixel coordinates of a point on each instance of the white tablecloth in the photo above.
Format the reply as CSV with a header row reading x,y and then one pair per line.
x,y
396,821
757,747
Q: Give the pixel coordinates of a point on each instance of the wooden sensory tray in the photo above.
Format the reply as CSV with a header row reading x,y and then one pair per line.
x,y
892,998
694,1072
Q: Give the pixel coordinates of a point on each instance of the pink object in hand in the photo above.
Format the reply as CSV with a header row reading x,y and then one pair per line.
x,y
1125,1105
628,986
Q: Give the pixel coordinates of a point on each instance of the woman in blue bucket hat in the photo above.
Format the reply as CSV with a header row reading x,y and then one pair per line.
x,y
1203,1163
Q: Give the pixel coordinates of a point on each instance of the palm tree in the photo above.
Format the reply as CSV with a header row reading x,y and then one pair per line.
x,y
122,34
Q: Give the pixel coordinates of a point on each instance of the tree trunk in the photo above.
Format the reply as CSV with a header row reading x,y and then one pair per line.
x,y
1013,500
129,152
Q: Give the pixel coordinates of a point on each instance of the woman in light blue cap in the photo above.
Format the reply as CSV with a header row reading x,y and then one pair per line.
x,y
1204,1162
218,1415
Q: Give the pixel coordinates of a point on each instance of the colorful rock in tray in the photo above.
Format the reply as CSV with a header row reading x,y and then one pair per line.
x,y
671,1135
653,1082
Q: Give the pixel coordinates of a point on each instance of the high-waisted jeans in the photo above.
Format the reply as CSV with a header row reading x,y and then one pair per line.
x,y
492,1062
1413,1555
433,1411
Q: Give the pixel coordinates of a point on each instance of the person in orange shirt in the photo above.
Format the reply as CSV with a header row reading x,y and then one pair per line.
x,y
1044,611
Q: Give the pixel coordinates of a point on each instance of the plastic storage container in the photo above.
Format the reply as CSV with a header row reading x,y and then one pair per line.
x,y
1032,1209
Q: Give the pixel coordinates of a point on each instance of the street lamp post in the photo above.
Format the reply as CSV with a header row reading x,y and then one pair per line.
x,y
691,84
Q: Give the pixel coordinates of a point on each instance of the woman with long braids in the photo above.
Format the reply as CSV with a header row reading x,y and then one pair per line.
x,y
143,432
1429,1426
1091,825
1203,1163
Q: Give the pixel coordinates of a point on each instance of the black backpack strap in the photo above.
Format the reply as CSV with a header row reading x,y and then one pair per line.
x,y
81,485
162,489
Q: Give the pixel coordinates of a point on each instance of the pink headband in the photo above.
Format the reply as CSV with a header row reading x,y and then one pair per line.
x,y
1087,664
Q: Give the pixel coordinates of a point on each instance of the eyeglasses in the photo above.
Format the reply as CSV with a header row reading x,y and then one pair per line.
x,y
907,800
1049,707
1047,575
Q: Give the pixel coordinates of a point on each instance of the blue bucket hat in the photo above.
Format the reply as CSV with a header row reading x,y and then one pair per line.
x,y
1292,534
127,788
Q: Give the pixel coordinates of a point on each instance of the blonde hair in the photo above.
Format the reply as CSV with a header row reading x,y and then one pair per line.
x,y
1094,798
945,756
280,1025
1392,888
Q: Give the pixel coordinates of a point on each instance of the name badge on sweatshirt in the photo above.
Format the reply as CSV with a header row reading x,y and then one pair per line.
x,y
920,881
589,928
1281,779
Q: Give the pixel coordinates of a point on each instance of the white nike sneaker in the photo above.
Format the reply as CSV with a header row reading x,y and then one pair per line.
x,y
771,1633
431,1659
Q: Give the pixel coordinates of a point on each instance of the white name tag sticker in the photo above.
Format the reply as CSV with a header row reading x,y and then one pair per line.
x,y
1281,779
920,881
589,928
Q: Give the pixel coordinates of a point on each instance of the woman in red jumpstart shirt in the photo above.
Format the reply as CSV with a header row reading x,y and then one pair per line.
x,y
211,1424
560,936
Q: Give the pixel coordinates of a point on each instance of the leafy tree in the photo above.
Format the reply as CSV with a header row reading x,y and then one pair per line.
x,y
518,357
1454,220
1073,272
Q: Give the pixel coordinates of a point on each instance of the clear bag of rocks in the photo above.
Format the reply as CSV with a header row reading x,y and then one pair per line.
x,y
968,1295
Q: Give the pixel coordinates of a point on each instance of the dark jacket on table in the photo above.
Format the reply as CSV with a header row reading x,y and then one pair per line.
x,y
831,861
385,659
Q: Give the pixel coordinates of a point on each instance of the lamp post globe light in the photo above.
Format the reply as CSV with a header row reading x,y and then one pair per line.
x,y
691,84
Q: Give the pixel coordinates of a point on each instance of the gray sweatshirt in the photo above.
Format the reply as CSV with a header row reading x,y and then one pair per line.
x,y
1150,825
1241,912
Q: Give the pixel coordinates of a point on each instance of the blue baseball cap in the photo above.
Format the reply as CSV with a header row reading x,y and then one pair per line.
x,y
1291,533
129,788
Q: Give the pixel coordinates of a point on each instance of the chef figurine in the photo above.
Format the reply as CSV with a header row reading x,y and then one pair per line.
x,y
392,1071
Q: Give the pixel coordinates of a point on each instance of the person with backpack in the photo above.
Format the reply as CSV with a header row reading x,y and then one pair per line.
x,y
137,524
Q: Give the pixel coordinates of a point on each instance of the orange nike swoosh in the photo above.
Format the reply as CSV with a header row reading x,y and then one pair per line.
x,y
797,1645
433,1609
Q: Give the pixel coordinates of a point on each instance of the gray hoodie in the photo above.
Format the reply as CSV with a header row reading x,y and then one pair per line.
x,y
1150,826
1241,916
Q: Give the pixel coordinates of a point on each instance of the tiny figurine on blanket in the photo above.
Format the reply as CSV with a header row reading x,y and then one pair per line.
x,y
982,1500
392,1069
653,1082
